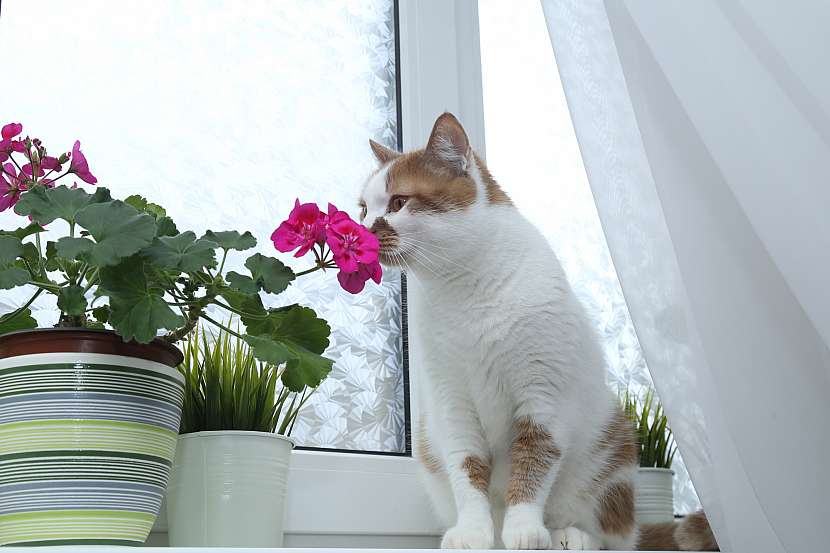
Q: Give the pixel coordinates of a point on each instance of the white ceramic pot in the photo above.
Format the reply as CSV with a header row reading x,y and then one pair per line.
x,y
227,489
654,498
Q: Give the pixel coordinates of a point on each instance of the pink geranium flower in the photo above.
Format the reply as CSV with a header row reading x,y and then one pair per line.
x,y
10,187
351,243
48,163
7,145
354,282
353,249
79,165
305,227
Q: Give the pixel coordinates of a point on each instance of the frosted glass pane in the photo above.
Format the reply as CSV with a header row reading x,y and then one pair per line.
x,y
224,112
532,151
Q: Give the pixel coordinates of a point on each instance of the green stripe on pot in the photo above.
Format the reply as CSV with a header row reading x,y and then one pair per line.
x,y
130,437
75,525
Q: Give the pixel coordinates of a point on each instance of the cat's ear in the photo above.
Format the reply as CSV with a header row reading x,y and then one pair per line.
x,y
383,153
448,144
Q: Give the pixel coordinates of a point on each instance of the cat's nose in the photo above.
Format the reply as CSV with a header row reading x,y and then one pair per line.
x,y
379,226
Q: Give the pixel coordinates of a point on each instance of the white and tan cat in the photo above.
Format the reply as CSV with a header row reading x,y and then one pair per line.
x,y
521,442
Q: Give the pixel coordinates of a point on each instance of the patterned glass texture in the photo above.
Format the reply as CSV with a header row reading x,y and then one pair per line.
x,y
532,151
224,112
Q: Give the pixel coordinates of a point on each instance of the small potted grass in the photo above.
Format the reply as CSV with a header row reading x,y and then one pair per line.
x,y
228,482
654,498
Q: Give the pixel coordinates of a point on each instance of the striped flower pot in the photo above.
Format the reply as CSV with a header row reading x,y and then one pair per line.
x,y
88,428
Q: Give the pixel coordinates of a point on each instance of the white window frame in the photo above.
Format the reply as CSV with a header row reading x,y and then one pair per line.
x,y
376,501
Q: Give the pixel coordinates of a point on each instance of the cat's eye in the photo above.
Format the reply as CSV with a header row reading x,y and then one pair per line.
x,y
362,211
397,203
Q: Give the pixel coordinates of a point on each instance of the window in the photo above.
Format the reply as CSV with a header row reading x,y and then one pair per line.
x,y
225,115
532,151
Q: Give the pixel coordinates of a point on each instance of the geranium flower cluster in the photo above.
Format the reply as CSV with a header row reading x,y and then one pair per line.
x,y
336,241
33,165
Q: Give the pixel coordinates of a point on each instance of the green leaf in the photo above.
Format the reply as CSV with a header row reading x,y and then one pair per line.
x,y
306,369
10,249
71,300
303,368
23,232
44,205
231,240
301,326
101,313
20,321
243,283
52,263
11,275
268,350
137,311
270,274
119,231
141,204
166,227
73,248
183,252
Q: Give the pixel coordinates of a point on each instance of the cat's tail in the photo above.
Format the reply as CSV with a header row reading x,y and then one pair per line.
x,y
691,533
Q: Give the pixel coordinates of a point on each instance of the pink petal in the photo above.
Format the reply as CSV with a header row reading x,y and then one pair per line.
x,y
285,238
376,273
11,130
351,282
346,261
87,177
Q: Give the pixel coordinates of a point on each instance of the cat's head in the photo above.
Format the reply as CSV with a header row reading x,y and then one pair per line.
x,y
417,201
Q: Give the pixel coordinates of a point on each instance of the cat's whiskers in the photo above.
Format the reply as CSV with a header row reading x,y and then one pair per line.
x,y
427,254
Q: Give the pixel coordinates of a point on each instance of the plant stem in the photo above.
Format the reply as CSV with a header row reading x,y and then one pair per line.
x,y
238,312
39,254
223,327
222,265
22,308
308,271
91,281
45,285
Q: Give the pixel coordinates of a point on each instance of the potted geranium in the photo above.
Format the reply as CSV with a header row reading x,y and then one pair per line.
x,y
89,423
654,497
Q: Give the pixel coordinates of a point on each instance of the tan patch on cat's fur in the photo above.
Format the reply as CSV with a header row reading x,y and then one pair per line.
x,y
428,184
423,452
495,195
694,534
657,537
478,471
531,456
618,444
616,509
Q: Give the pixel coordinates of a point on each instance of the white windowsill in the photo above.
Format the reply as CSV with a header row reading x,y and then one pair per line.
x,y
350,500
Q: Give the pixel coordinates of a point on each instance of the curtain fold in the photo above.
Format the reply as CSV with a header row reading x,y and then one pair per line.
x,y
704,131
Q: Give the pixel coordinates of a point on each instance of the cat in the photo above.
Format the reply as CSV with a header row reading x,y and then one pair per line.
x,y
521,444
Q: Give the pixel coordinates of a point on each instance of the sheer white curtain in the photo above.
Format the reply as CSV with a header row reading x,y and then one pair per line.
x,y
705,134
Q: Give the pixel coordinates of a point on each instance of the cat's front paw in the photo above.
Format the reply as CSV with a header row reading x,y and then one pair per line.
x,y
526,535
468,537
